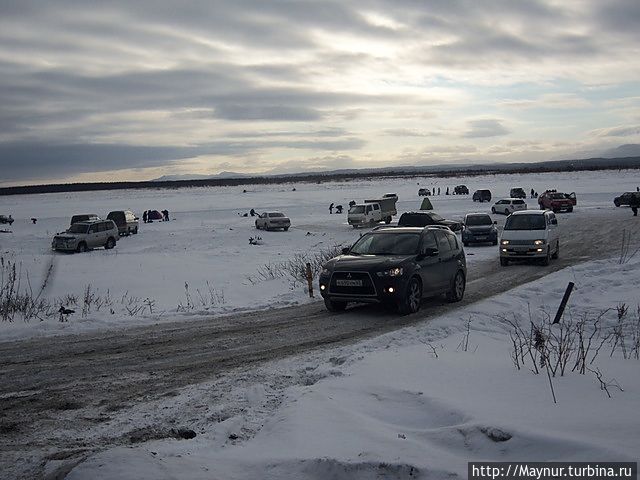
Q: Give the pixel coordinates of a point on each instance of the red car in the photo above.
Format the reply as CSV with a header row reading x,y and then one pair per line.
x,y
556,201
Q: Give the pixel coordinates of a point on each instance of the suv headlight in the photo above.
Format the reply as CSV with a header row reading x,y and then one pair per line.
x,y
392,272
539,242
505,242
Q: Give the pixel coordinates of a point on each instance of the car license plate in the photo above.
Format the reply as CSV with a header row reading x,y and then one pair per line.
x,y
349,283
482,237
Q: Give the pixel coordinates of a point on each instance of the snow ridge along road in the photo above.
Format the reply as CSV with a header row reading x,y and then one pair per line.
x,y
41,380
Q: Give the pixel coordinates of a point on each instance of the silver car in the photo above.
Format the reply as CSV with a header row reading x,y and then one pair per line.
x,y
83,236
272,220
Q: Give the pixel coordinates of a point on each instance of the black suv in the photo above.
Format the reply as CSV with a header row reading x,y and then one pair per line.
x,y
425,219
517,192
626,198
397,266
461,190
482,196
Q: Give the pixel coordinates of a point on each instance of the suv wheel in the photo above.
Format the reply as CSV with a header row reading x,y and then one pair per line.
x,y
556,254
110,243
82,247
412,298
504,261
457,288
545,260
334,306
135,231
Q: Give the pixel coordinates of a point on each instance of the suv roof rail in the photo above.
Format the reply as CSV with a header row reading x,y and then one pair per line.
x,y
441,227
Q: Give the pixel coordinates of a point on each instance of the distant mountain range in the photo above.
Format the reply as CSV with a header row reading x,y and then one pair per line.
x,y
443,170
586,159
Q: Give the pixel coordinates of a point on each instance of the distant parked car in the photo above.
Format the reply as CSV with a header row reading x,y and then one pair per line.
x,y
82,236
517,192
461,190
5,219
272,220
531,234
482,196
84,217
479,228
625,198
508,206
126,221
424,192
425,219
396,266
556,201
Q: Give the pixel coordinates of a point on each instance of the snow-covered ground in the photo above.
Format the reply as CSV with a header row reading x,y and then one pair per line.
x,y
204,252
414,403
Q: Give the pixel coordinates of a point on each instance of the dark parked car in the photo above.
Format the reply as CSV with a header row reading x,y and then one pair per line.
x,y
126,221
424,192
517,193
625,198
397,266
425,219
461,190
479,228
482,196
84,217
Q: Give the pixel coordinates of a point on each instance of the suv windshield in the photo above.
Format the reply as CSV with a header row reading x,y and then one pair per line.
x,y
78,228
357,209
557,196
276,215
478,220
525,222
387,244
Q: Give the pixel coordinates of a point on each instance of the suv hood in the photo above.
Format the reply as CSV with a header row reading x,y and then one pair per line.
x,y
525,234
366,262
480,228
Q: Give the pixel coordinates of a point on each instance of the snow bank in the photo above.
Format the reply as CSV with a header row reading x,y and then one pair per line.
x,y
414,404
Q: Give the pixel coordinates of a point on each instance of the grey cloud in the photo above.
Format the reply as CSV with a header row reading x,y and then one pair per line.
x,y
485,128
620,131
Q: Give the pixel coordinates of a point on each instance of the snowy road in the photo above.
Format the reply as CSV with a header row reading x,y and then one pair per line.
x,y
43,381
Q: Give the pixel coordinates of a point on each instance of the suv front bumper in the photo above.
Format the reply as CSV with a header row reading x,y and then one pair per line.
x,y
523,251
374,289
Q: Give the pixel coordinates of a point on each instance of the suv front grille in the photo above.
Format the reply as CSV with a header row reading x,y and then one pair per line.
x,y
520,242
367,288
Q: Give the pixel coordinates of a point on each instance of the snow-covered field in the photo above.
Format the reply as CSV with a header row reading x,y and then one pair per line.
x,y
415,403
201,262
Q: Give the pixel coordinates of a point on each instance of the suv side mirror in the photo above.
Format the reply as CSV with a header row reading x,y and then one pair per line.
x,y
345,250
430,252
495,222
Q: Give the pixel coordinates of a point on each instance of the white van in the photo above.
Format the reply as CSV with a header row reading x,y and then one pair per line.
x,y
530,234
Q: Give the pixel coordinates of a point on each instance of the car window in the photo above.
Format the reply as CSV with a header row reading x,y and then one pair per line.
x,y
525,222
387,244
453,242
376,206
429,241
518,202
472,220
77,228
93,228
443,243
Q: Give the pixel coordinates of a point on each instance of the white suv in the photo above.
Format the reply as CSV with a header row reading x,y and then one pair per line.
x,y
508,206
531,234
82,236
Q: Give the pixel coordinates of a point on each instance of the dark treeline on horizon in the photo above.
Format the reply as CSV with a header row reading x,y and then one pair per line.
x,y
542,167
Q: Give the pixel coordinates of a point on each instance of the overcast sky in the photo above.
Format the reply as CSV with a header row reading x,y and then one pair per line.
x,y
132,90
